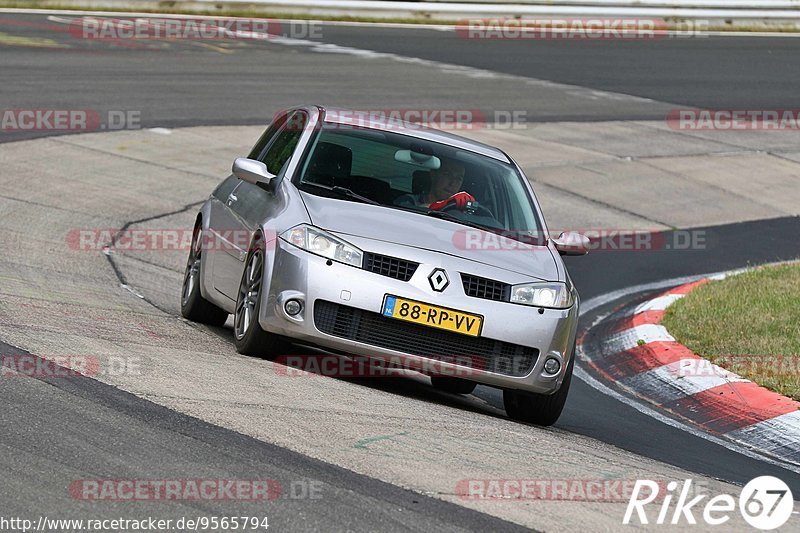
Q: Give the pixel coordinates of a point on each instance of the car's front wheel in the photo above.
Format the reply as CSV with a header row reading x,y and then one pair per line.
x,y
249,337
193,305
452,385
539,409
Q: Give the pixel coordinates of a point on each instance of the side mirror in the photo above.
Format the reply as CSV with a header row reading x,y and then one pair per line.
x,y
252,171
572,243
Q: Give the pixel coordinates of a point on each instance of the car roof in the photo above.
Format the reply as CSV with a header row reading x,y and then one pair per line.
x,y
337,115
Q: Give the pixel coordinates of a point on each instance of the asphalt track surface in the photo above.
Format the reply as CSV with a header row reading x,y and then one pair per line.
x,y
189,84
706,72
239,82
128,438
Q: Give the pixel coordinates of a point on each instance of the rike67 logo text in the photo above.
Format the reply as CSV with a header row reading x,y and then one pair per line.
x,y
765,503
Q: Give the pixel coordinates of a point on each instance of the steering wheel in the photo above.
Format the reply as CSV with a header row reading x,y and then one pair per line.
x,y
473,208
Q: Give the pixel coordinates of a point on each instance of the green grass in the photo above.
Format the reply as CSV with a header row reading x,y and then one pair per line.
x,y
748,323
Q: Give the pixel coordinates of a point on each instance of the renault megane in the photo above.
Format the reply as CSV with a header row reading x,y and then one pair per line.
x,y
389,240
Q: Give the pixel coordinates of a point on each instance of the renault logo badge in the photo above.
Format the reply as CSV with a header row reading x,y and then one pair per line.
x,y
438,280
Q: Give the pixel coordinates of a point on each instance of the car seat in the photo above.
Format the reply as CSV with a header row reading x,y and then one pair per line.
x,y
330,165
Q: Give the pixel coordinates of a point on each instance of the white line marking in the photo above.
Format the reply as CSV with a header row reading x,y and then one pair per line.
x,y
583,375
775,434
603,299
699,367
642,334
657,304
666,383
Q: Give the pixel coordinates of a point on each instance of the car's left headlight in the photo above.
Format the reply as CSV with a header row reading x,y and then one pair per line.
x,y
320,242
556,295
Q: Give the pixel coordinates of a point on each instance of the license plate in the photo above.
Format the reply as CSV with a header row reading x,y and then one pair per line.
x,y
432,315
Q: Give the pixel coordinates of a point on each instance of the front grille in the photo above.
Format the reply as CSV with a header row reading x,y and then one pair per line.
x,y
487,289
375,329
392,267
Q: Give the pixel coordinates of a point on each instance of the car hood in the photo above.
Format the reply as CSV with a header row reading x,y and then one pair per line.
x,y
418,231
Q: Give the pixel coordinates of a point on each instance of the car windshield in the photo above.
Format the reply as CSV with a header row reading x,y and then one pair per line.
x,y
403,172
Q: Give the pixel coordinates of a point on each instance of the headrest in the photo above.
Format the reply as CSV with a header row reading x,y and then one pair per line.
x,y
420,181
331,163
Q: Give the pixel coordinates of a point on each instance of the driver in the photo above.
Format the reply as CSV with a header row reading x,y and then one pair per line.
x,y
445,184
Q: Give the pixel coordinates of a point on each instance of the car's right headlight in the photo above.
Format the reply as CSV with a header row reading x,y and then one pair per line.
x,y
555,295
320,242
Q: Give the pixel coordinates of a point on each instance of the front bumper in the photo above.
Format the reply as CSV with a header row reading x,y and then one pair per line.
x,y
297,274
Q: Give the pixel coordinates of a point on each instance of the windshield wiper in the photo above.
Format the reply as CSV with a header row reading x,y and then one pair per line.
x,y
344,191
447,216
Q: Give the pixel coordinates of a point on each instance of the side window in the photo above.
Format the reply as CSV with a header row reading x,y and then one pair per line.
x,y
281,149
267,136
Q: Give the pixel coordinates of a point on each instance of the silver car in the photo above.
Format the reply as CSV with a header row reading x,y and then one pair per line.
x,y
384,240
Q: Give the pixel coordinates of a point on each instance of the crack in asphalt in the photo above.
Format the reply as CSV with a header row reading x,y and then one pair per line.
x,y
118,269
146,262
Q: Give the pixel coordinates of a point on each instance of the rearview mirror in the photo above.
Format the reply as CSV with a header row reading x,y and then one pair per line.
x,y
572,243
252,171
430,162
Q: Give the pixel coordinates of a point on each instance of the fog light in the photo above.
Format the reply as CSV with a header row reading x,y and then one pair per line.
x,y
293,307
552,365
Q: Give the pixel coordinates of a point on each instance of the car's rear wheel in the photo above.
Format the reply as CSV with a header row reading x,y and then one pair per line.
x,y
539,409
249,337
452,385
193,305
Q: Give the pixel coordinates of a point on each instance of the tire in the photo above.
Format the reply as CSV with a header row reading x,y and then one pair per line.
x,y
193,306
539,409
248,337
453,385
